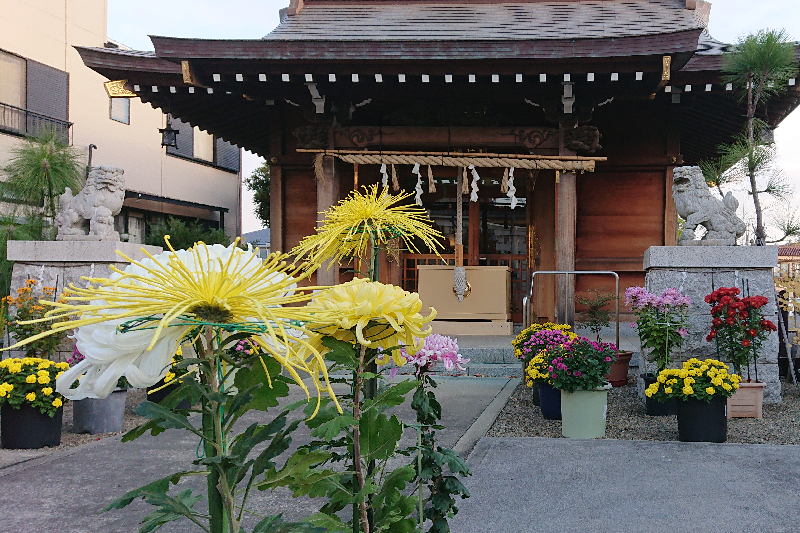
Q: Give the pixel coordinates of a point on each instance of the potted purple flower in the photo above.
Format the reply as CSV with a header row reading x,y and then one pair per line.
x,y
661,324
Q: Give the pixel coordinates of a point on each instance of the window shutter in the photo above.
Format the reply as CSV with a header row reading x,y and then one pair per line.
x,y
48,91
228,155
185,139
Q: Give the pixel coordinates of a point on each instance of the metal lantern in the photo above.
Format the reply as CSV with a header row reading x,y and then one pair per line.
x,y
169,135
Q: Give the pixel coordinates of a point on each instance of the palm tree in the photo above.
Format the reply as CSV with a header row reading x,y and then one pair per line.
x,y
759,68
39,171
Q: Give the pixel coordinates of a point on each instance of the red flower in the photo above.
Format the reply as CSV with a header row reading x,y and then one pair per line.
x,y
731,312
745,343
730,320
717,321
744,314
708,298
753,332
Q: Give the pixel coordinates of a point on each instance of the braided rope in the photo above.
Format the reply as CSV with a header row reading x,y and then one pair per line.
x,y
466,161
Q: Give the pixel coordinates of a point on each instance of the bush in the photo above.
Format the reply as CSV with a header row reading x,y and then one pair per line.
x,y
183,235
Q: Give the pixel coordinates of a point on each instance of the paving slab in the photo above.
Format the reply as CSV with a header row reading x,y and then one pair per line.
x,y
63,492
524,485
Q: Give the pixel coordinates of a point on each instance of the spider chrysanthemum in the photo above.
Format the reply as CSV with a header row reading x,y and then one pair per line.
x,y
132,322
348,227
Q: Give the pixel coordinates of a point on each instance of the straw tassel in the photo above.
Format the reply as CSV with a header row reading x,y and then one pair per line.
x,y
464,181
395,183
431,184
504,185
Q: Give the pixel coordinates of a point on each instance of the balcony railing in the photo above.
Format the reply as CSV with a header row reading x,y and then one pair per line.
x,y
23,122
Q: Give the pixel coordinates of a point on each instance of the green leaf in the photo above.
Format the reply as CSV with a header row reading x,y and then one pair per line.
x,y
157,486
394,395
166,418
170,509
275,524
453,461
301,461
265,396
332,428
330,523
379,434
341,352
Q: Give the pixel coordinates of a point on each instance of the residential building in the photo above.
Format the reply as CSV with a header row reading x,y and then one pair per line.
x,y
44,83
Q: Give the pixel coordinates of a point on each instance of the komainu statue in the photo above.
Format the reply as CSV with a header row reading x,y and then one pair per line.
x,y
93,208
698,206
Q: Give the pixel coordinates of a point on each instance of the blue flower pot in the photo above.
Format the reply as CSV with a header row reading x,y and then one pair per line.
x,y
550,401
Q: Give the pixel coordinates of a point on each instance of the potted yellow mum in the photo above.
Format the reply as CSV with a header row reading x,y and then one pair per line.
x,y
702,389
30,408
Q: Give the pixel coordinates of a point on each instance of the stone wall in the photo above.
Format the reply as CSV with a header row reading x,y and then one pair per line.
x,y
697,271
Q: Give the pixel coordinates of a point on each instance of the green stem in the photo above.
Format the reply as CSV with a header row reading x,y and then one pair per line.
x,y
212,441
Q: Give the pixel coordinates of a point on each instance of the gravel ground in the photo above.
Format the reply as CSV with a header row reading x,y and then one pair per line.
x,y
626,419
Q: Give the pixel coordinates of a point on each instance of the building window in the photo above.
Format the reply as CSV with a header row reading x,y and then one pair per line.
x,y
12,80
120,110
203,145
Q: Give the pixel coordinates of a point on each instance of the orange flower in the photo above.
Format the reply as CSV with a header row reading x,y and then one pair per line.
x,y
31,283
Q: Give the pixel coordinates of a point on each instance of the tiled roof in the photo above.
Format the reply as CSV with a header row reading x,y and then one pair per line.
x,y
448,21
789,251
121,51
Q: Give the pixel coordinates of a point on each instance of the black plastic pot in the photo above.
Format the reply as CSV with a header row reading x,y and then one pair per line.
x,y
156,394
535,392
550,401
700,421
28,429
653,407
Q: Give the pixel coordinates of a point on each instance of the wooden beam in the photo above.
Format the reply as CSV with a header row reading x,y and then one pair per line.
x,y
389,136
673,151
473,252
276,201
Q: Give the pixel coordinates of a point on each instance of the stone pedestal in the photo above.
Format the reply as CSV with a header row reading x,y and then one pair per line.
x,y
61,263
696,271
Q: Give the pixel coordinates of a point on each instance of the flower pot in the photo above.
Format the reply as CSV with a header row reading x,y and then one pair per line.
x,y
700,421
747,400
27,428
618,374
550,401
535,392
93,415
158,392
653,407
583,413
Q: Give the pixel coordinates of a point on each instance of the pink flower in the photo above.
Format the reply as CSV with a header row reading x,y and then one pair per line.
x,y
608,359
437,349
578,373
683,332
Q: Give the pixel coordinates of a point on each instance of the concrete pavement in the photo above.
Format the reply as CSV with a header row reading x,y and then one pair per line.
x,y
62,492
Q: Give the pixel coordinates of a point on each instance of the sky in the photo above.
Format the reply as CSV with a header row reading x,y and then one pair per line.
x,y
131,22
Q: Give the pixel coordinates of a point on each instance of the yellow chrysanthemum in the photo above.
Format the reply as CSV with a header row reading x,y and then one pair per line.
x,y
711,390
30,379
31,396
347,228
668,390
688,391
374,315
172,292
57,403
43,380
47,391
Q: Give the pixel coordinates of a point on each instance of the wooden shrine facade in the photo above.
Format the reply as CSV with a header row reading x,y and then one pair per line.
x,y
642,88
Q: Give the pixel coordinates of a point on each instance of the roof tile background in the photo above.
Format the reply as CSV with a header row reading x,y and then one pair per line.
x,y
490,21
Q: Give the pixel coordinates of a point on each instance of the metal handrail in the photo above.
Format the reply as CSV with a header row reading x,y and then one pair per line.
x,y
21,121
526,302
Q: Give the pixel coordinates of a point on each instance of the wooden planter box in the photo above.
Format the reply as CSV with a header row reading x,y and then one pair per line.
x,y
747,401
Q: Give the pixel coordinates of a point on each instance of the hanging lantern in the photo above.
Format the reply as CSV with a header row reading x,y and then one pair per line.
x,y
169,135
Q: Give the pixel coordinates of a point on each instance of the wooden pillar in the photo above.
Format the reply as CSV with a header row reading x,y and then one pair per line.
x,y
566,217
327,197
276,222
674,153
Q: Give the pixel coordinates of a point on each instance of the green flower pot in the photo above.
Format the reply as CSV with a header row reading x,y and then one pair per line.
x,y
583,413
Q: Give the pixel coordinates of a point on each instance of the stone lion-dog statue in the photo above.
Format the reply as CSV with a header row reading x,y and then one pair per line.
x,y
698,206
93,208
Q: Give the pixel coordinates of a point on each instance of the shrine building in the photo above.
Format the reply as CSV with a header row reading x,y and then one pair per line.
x,y
587,105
